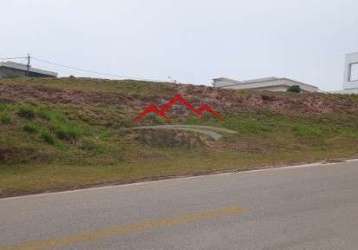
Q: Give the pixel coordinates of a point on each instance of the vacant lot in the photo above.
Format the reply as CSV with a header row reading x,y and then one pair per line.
x,y
59,134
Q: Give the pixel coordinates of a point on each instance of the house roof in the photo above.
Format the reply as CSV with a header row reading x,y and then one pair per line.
x,y
23,67
261,80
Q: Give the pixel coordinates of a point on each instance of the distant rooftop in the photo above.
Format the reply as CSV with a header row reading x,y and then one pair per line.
x,y
264,79
259,80
23,67
267,83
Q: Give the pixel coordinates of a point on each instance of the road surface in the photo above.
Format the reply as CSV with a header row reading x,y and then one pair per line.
x,y
313,207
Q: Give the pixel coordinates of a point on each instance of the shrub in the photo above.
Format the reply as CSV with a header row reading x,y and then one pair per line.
x,y
294,89
30,128
5,119
47,137
26,112
43,114
50,115
68,132
3,106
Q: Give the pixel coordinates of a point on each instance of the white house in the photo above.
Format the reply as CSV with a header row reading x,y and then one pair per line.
x,y
269,84
350,84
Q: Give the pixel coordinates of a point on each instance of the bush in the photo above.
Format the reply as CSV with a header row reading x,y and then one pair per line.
x,y
50,115
5,119
47,137
26,112
43,114
30,128
68,132
294,89
3,106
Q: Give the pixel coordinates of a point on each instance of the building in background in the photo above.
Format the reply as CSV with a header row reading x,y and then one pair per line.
x,y
350,84
264,84
12,70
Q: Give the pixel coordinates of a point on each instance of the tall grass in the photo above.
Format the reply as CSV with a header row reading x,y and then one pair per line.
x,y
26,112
60,125
31,128
68,131
47,137
5,118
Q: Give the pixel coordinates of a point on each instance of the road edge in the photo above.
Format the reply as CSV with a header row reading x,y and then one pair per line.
x,y
169,178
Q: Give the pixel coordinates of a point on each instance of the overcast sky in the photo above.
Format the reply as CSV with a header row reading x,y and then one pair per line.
x,y
191,41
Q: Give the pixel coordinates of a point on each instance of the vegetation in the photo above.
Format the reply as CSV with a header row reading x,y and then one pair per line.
x,y
26,112
5,119
58,134
48,138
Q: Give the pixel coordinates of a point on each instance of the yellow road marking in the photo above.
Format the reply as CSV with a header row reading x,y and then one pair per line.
x,y
125,229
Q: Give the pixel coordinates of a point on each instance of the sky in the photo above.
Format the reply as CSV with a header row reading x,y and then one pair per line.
x,y
191,41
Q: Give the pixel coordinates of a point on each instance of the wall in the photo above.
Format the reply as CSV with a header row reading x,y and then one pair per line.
x,y
11,73
221,82
347,84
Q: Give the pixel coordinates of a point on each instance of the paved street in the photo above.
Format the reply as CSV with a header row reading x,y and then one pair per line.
x,y
310,207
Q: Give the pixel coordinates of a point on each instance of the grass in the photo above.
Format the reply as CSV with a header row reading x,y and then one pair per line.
x,y
128,87
5,119
48,144
48,138
31,128
26,112
68,132
21,180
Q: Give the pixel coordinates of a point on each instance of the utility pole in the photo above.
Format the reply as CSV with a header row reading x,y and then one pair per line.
x,y
28,65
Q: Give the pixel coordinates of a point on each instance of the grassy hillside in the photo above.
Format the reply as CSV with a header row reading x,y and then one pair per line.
x,y
60,134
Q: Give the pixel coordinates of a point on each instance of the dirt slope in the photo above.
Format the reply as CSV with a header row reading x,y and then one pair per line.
x,y
77,132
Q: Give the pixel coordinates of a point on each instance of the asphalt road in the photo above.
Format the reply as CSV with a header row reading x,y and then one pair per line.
x,y
312,207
